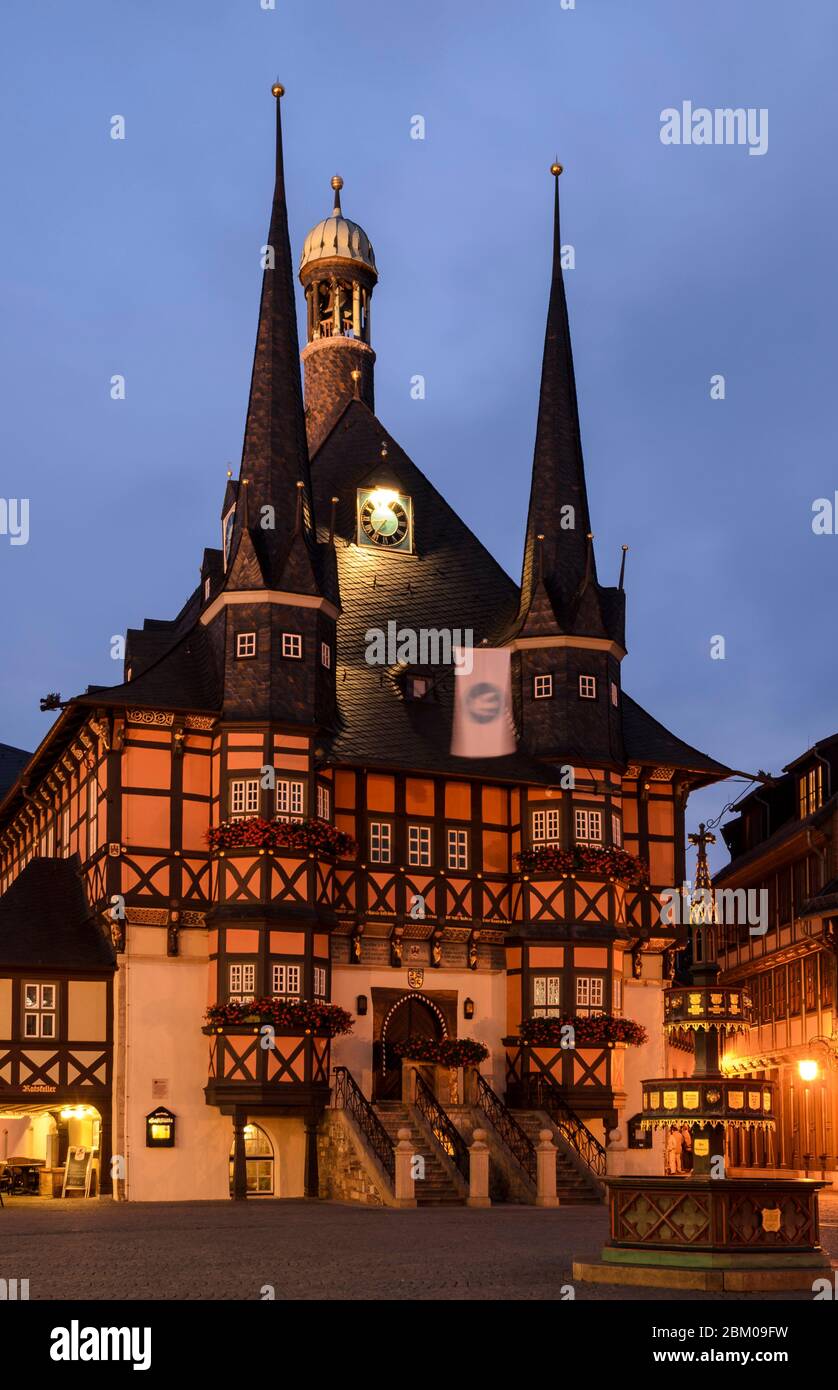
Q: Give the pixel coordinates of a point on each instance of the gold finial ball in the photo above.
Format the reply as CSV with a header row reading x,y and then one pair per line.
x,y
337,182
355,375
278,90
556,169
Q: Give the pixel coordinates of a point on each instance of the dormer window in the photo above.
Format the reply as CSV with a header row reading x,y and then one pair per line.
x,y
587,687
810,791
542,687
245,644
227,534
417,687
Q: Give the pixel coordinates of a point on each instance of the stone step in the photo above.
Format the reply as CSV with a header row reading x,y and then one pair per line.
x,y
436,1188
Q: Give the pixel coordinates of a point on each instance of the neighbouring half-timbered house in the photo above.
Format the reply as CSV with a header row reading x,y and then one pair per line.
x,y
781,948
266,820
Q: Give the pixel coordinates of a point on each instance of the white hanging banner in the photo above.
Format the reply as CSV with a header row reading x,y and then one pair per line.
x,y
483,725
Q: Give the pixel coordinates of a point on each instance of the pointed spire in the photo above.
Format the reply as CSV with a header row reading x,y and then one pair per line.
x,y
275,453
558,499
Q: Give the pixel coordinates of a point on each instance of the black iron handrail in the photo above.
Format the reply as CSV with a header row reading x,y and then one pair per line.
x,y
442,1127
507,1127
349,1096
545,1095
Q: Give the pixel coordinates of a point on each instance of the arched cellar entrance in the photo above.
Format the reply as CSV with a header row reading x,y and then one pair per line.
x,y
259,1161
412,1016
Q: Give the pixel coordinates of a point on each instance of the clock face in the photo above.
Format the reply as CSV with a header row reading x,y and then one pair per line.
x,y
384,519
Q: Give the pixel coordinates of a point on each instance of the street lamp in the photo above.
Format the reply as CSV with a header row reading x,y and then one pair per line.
x,y
808,1071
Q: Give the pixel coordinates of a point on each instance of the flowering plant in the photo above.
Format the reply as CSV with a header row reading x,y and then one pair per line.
x,y
593,859
450,1052
289,1015
599,1028
258,833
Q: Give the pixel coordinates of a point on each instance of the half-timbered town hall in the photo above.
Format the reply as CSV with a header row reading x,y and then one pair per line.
x,y
259,925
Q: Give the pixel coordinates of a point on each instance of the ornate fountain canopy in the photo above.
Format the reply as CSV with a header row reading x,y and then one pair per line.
x,y
717,1100
703,1007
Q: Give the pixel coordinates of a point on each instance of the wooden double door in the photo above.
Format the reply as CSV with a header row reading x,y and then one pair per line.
x,y
412,1017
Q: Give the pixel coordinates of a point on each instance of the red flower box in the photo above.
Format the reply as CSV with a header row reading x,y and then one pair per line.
x,y
596,1031
314,835
593,859
449,1052
285,1015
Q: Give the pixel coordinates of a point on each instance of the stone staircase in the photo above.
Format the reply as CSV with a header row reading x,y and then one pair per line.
x,y
438,1187
573,1186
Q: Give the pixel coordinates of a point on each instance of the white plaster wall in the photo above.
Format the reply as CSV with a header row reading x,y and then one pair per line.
x,y
487,989
289,1144
643,1002
166,999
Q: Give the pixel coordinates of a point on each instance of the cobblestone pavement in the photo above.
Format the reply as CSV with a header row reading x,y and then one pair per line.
x,y
312,1250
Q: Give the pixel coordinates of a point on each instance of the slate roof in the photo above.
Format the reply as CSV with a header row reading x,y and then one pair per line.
x,y
184,677
648,741
559,587
45,920
451,580
12,763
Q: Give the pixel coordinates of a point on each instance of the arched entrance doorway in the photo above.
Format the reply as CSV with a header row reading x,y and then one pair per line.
x,y
259,1158
412,1016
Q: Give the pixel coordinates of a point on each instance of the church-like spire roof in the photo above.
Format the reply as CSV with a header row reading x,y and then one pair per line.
x,y
559,586
275,454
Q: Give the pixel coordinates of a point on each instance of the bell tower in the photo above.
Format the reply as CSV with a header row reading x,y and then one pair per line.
x,y
338,274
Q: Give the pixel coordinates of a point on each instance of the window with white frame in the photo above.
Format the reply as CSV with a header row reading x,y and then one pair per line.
x,y
381,837
241,977
244,797
617,995
615,694
542,687
587,825
245,644
292,645
324,802
320,982
587,687
546,826
207,587
92,817
325,655
457,849
419,845
39,1011
546,996
589,994
616,831
289,799
65,831
285,980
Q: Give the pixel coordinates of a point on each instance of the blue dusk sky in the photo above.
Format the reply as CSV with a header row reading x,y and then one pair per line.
x,y
140,257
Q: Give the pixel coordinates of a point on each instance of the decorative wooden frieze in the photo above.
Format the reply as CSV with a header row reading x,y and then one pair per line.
x,y
157,718
200,721
147,916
